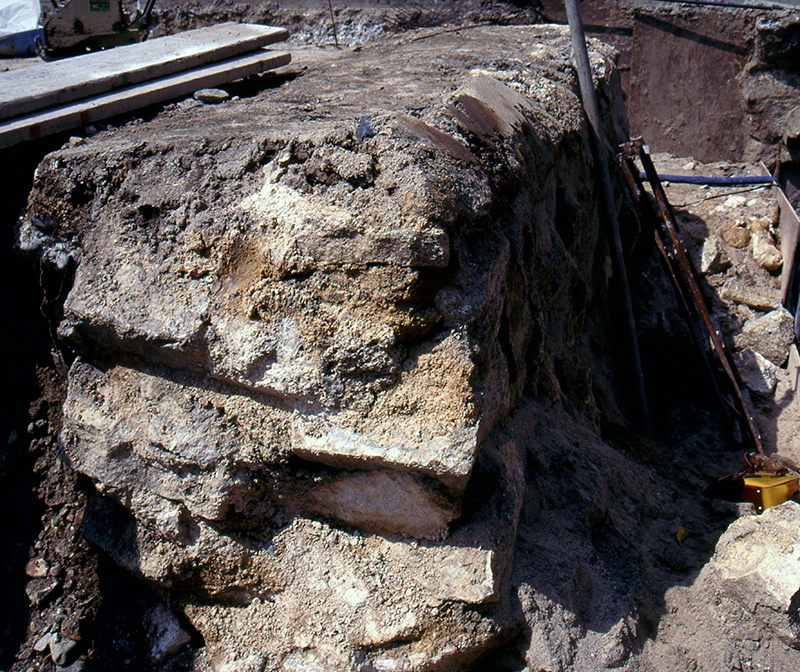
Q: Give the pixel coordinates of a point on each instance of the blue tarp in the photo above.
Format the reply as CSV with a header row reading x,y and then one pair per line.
x,y
19,26
18,44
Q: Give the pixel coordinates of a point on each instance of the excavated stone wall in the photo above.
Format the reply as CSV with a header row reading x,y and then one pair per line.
x,y
342,390
294,335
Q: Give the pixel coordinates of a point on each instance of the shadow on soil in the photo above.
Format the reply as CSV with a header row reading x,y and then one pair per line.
x,y
612,520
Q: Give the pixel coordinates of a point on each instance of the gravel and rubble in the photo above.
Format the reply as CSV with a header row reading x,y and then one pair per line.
x,y
743,283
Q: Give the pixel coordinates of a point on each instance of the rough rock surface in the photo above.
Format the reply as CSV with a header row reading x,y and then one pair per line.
x,y
297,326
752,576
756,564
342,375
713,258
318,293
757,372
770,334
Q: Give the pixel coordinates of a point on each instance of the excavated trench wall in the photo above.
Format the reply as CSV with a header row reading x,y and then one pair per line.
x,y
296,326
711,82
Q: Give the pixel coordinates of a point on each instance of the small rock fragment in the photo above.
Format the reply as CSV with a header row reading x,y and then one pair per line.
x,y
737,291
211,96
759,225
757,372
61,650
36,568
736,235
188,104
766,254
43,642
76,141
166,633
38,590
734,202
771,335
364,129
713,258
774,215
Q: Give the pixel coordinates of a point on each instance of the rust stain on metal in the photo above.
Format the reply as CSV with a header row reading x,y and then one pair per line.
x,y
684,278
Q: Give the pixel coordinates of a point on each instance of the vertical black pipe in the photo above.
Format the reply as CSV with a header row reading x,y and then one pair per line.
x,y
601,159
333,23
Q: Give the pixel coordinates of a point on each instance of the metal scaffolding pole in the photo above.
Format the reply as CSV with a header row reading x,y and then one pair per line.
x,y
601,159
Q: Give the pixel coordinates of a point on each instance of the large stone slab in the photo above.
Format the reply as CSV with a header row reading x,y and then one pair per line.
x,y
176,453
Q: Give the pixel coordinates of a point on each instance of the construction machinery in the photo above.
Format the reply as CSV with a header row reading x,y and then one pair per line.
x,y
78,26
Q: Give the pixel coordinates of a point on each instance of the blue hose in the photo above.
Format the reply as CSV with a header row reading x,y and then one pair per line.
x,y
716,181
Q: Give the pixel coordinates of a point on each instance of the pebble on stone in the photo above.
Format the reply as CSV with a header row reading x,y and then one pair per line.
x,y
211,96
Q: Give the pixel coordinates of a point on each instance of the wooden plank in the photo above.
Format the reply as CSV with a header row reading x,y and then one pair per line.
x,y
48,84
789,228
81,113
790,232
793,367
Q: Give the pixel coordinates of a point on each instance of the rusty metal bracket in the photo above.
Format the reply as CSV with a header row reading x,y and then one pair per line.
x,y
685,280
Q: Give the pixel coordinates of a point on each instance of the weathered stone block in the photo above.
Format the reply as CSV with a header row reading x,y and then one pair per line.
x,y
757,564
771,335
175,454
379,591
766,254
757,372
737,291
305,232
713,257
